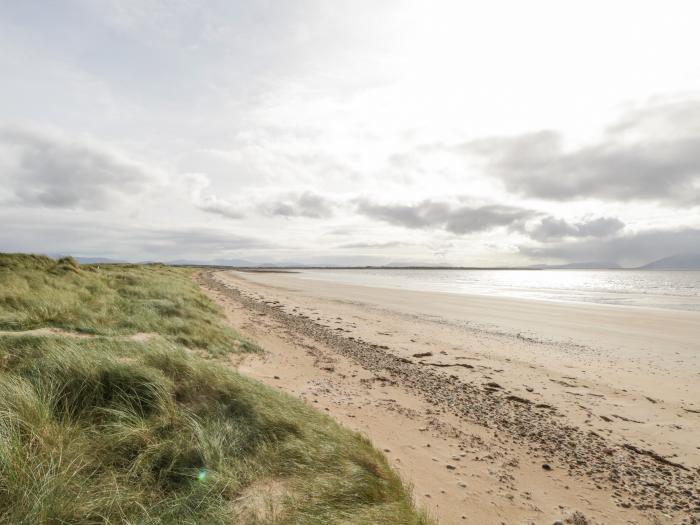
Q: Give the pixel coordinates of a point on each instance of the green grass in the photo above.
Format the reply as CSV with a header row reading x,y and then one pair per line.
x,y
104,429
38,292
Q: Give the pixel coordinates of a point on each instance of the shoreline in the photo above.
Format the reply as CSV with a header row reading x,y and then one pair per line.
x,y
543,428
495,294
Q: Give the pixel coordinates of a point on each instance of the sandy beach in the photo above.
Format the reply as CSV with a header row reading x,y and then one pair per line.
x,y
496,410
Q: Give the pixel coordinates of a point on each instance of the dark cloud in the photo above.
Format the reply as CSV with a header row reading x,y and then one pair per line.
x,y
549,228
49,170
213,204
633,250
468,220
456,219
421,215
306,204
650,154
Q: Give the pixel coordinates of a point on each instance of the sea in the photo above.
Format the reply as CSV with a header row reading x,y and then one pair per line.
x,y
678,290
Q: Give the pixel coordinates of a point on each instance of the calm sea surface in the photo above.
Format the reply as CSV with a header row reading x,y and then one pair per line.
x,y
656,289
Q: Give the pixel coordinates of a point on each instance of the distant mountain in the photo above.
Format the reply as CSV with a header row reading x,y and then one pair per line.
x,y
88,260
97,260
682,261
593,265
216,262
404,264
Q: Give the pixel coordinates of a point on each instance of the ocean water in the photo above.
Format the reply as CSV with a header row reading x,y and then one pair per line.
x,y
652,289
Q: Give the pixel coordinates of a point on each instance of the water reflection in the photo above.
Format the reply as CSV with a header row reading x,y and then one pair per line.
x,y
666,289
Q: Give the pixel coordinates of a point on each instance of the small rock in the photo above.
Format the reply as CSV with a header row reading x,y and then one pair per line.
x,y
546,466
276,377
450,467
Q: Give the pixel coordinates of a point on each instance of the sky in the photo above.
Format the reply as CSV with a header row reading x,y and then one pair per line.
x,y
358,132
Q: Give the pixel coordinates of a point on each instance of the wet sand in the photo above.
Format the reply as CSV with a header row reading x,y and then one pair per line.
x,y
533,411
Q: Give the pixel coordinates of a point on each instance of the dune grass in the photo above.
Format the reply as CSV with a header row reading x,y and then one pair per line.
x,y
125,299
104,429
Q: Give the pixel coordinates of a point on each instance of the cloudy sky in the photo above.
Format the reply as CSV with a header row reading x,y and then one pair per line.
x,y
351,131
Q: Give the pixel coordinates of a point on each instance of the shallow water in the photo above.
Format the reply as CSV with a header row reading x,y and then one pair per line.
x,y
655,289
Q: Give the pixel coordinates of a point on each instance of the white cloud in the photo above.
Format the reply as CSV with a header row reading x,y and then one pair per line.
x,y
198,185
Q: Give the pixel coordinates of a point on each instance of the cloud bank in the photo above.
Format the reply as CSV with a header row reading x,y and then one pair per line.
x,y
651,154
634,249
458,219
306,204
51,170
551,228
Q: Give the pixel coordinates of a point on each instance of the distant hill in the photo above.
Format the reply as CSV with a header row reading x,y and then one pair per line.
x,y
97,260
88,260
593,265
682,261
216,262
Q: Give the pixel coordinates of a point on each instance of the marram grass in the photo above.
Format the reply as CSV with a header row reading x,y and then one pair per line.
x,y
37,292
106,429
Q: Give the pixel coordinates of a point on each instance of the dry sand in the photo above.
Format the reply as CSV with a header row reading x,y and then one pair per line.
x,y
496,410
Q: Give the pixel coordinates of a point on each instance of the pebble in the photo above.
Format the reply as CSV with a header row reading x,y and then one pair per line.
x,y
450,467
546,466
